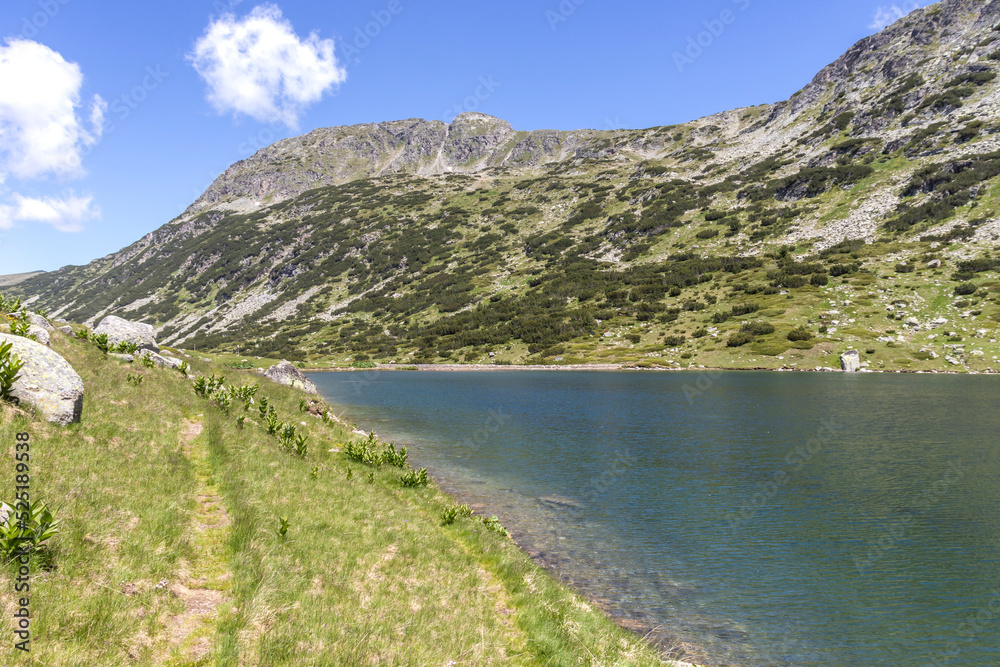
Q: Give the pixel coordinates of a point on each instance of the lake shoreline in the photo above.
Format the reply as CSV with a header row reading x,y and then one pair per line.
x,y
462,368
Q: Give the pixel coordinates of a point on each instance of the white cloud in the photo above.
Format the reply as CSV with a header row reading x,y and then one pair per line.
x,y
258,66
886,16
66,214
40,130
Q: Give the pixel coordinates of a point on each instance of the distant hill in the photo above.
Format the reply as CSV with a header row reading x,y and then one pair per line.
x,y
15,278
424,241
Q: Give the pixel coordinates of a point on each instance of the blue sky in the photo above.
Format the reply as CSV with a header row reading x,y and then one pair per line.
x,y
114,115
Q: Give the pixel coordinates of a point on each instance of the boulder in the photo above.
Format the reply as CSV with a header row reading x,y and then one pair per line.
x,y
128,358
40,321
68,330
40,334
47,381
850,361
912,322
934,264
122,331
164,361
287,374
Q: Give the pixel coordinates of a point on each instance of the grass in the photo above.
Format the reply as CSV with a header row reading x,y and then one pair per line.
x,y
169,552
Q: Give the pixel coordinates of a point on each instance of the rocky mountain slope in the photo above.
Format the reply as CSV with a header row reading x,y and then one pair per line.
x,y
421,241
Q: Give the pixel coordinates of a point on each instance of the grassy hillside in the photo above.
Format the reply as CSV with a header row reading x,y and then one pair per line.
x,y
169,553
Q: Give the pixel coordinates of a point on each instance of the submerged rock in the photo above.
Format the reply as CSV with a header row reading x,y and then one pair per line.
x,y
47,381
124,331
287,374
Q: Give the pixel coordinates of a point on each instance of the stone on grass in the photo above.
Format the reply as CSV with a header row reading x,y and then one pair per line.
x,y
287,374
164,361
124,331
850,361
122,357
40,334
47,381
68,330
40,321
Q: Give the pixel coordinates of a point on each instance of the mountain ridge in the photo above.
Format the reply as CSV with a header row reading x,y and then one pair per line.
x,y
368,239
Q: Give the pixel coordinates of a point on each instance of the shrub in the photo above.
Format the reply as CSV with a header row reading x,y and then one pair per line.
x,y
674,341
799,334
700,333
758,328
966,289
745,309
820,280
739,339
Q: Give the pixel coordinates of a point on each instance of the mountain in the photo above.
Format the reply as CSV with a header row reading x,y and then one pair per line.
x,y
797,229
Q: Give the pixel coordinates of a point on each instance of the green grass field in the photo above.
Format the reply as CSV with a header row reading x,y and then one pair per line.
x,y
169,552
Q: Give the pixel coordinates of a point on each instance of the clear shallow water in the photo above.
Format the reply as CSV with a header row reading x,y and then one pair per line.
x,y
765,518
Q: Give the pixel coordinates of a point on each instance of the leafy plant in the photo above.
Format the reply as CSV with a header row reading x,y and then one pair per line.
x,y
183,368
222,398
100,341
300,447
282,529
25,527
271,424
135,379
20,325
8,306
414,478
314,473
452,512
493,525
126,347
146,361
10,365
240,421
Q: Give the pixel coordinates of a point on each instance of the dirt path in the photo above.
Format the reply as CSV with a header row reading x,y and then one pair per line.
x,y
200,584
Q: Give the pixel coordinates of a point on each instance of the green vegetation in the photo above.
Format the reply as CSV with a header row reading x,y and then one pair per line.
x,y
220,555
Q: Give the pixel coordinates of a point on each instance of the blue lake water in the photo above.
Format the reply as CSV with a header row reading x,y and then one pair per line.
x,y
749,518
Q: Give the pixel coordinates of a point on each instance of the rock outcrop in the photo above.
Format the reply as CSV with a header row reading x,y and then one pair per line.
x,y
850,361
39,321
47,381
124,331
287,374
41,335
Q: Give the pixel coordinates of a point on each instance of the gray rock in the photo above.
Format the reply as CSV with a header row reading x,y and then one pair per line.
x,y
120,331
934,264
287,374
164,362
123,357
850,361
68,330
47,381
953,361
912,322
40,334
40,321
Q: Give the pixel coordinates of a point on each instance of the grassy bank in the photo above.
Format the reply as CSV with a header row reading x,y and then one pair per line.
x,y
169,550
